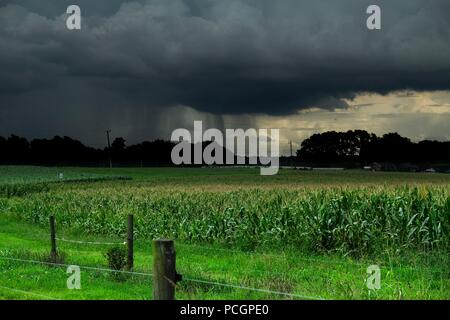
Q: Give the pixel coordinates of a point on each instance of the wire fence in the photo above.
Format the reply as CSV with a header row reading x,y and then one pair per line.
x,y
287,294
29,293
349,262
283,254
229,251
91,242
216,249
317,261
81,266
188,279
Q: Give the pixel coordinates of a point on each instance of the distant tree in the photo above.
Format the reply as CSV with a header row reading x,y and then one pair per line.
x,y
393,147
17,149
361,146
118,144
428,150
118,150
152,153
3,150
334,146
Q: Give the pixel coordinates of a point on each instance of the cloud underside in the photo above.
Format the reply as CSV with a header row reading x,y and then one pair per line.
x,y
222,57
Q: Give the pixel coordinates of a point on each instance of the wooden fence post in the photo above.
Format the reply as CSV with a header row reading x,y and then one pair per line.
x,y
130,240
53,252
165,276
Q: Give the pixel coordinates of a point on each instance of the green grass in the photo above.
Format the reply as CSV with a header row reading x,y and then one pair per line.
x,y
250,177
33,174
329,277
306,233
219,176
23,180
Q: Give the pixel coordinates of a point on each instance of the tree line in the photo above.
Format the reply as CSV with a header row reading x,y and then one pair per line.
x,y
68,151
365,148
357,146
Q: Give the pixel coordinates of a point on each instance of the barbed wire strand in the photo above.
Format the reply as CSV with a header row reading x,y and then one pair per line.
x,y
292,295
271,255
28,293
292,273
90,242
81,267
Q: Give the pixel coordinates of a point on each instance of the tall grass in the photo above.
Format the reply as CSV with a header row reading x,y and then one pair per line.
x,y
22,189
352,221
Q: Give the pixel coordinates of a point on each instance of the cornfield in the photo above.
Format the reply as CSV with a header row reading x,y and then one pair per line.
x,y
355,221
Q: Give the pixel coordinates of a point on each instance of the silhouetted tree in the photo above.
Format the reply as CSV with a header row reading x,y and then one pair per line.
x,y
361,146
118,144
17,149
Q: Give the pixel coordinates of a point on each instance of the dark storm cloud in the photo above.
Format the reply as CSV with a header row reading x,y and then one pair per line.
x,y
223,57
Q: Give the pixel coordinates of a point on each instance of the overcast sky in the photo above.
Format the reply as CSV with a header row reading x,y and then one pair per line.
x,y
145,68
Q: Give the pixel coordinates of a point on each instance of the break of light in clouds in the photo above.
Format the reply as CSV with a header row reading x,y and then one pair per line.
x,y
144,68
419,116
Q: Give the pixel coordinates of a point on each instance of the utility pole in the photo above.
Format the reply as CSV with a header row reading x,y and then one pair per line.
x,y
109,148
291,155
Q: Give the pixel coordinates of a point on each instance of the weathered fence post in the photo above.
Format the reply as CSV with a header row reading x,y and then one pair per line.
x,y
53,252
130,239
165,276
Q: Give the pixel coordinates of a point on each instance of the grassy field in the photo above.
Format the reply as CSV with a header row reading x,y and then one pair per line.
x,y
22,180
31,175
303,233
